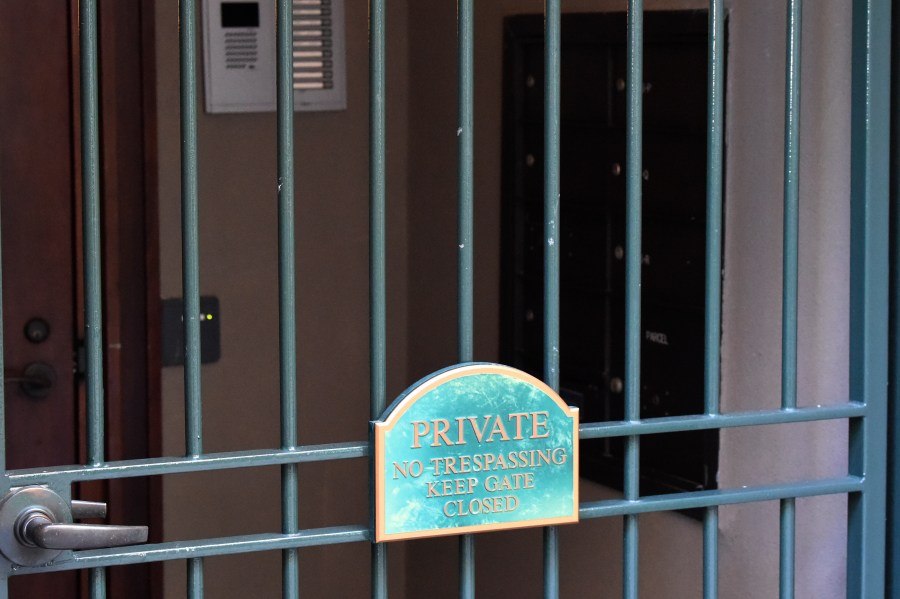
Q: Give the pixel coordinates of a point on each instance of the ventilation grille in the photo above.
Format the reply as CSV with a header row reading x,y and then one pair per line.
x,y
313,45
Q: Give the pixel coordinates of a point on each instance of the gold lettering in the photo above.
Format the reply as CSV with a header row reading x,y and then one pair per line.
x,y
459,507
518,417
498,428
441,426
536,424
417,432
479,433
559,456
408,468
432,489
465,464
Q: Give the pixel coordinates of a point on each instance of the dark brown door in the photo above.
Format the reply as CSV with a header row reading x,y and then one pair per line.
x,y
37,213
39,219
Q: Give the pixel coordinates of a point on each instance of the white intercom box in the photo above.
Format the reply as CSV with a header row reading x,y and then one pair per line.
x,y
239,55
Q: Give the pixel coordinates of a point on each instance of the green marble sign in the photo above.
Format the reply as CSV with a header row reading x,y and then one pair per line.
x,y
474,447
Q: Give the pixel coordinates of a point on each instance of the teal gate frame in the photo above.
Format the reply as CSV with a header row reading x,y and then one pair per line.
x,y
866,409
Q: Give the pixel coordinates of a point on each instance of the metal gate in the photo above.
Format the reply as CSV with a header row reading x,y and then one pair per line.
x,y
865,483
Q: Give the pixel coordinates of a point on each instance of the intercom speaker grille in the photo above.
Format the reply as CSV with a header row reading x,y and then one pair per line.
x,y
241,49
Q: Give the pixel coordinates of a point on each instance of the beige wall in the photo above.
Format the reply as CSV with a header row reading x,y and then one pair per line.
x,y
238,260
751,351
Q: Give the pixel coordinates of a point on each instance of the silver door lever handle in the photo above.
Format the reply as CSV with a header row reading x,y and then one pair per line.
x,y
36,526
39,530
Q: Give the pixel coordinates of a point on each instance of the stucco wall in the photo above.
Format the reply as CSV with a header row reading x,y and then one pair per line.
x,y
751,350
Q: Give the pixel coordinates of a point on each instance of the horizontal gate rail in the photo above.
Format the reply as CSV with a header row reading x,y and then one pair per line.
x,y
701,499
350,450
675,424
196,549
352,534
175,465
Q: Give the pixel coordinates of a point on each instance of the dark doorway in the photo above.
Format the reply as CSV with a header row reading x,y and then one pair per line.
x,y
592,226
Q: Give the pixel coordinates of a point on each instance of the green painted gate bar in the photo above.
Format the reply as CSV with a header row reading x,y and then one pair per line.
x,y
287,300
377,271
790,274
466,284
865,482
190,255
892,589
552,60
634,92
93,311
869,185
713,316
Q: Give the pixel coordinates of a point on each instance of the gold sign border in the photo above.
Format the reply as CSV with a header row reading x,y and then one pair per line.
x,y
381,428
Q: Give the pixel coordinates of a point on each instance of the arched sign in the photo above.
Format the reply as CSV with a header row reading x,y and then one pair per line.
x,y
474,447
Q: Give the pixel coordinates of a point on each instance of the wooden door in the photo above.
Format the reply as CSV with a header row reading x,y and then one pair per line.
x,y
40,219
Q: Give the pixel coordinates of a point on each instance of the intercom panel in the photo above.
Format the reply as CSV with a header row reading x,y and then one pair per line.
x,y
239,55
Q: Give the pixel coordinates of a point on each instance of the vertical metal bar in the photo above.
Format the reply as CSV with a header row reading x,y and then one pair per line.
x,y
195,577
287,299
715,156
633,171
869,184
90,148
551,561
377,208
190,253
893,505
786,549
711,553
713,325
552,62
98,583
791,208
190,230
465,321
377,274
93,318
465,137
790,270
